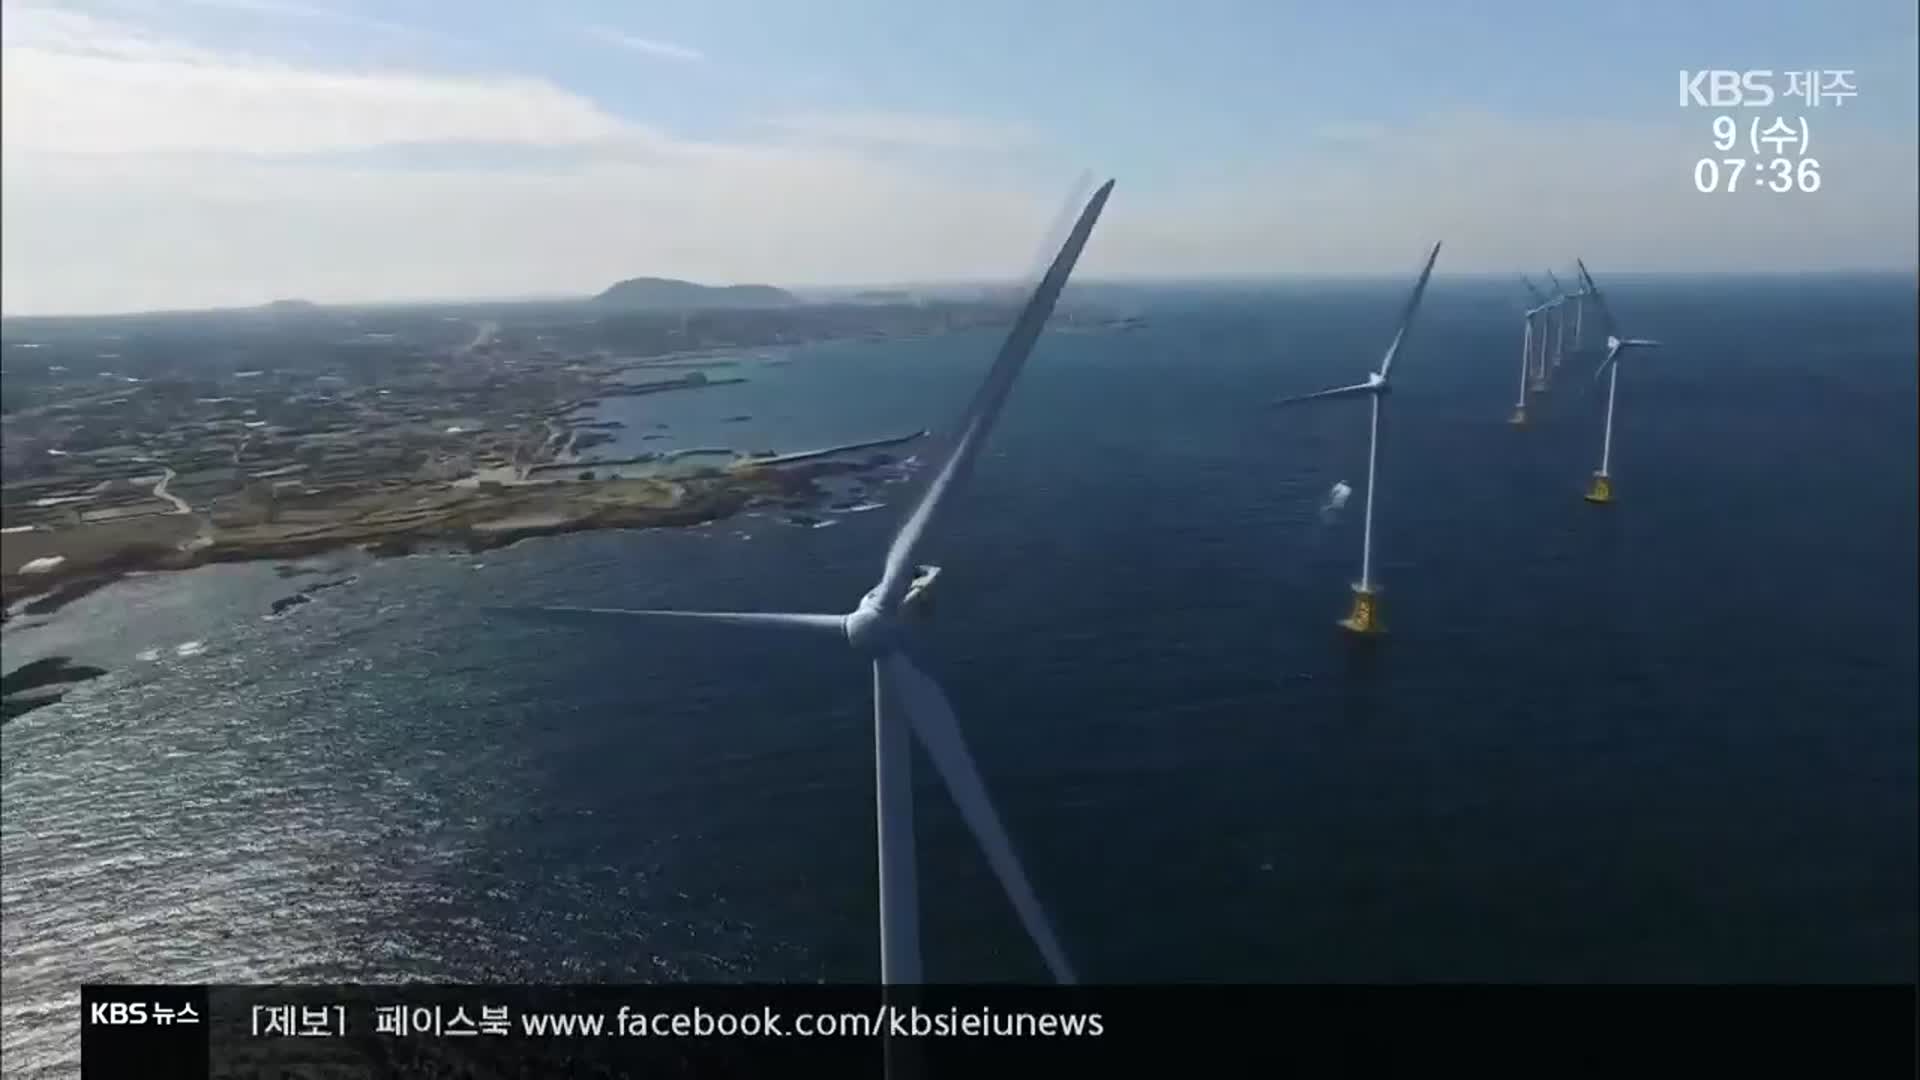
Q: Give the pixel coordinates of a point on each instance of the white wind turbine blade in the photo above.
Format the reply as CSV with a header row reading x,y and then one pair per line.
x,y
981,413
1600,301
933,720
740,618
1406,315
1533,290
1057,231
1559,289
1355,390
1616,346
1613,353
1585,278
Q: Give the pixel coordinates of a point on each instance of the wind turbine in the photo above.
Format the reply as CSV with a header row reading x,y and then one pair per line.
x,y
1560,297
1590,291
1528,316
1580,297
1519,416
1601,490
1533,290
1546,313
906,701
1364,619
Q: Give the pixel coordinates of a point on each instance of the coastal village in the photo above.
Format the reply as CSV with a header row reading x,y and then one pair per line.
x,y
165,441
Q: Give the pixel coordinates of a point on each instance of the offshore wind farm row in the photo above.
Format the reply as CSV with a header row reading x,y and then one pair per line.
x,y
1542,353
1544,347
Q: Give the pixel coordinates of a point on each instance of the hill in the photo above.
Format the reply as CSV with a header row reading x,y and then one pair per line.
x,y
656,293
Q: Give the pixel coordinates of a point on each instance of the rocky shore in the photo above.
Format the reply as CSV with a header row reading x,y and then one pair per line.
x,y
404,520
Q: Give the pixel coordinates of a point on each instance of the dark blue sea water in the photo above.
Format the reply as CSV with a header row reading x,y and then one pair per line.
x,y
1673,738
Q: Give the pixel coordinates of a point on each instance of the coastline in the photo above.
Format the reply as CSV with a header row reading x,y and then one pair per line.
x,y
407,520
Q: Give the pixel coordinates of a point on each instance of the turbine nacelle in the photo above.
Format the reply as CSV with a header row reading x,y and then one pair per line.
x,y
1376,383
875,628
871,629
1618,345
918,603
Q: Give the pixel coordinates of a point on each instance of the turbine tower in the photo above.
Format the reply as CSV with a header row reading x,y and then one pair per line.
x,y
1364,619
906,702
1580,297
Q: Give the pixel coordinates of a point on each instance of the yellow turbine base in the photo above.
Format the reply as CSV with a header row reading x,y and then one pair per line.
x,y
1519,417
1601,490
1365,616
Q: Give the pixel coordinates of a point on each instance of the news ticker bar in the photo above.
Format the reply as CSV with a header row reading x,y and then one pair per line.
x,y
154,1031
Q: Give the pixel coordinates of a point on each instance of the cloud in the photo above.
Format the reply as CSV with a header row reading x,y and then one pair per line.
x,y
182,232
917,130
47,22
649,46
143,172
295,9
74,84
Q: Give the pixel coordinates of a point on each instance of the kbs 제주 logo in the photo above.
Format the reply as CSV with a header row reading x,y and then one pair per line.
x,y
1780,146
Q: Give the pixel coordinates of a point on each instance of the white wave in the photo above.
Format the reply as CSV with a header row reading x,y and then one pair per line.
x,y
1336,500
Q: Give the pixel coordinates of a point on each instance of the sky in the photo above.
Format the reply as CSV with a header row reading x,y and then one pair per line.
x,y
200,153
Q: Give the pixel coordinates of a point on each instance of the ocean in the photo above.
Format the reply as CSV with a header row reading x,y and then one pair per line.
x,y
1668,739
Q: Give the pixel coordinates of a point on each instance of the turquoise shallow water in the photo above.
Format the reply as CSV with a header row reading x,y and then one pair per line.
x,y
1671,739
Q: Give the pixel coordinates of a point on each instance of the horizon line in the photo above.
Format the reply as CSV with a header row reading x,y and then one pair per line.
x,y
1123,280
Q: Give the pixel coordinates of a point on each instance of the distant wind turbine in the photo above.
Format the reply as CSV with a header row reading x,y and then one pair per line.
x,y
1546,313
1580,298
1601,489
1560,298
1364,618
1533,290
1519,416
1541,304
905,699
1589,294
